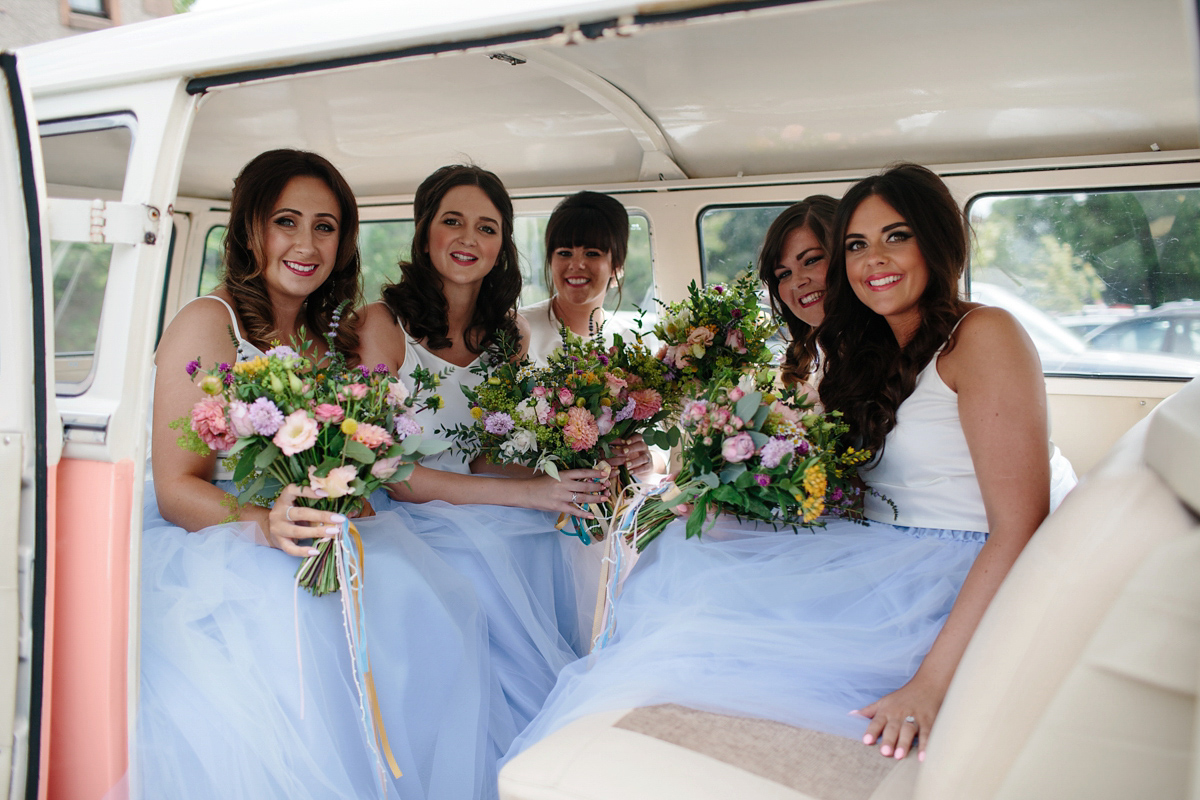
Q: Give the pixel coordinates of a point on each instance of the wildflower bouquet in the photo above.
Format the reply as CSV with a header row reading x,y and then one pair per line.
x,y
566,415
283,418
758,456
716,330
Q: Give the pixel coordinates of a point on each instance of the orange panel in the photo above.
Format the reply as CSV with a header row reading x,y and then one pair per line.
x,y
48,633
89,734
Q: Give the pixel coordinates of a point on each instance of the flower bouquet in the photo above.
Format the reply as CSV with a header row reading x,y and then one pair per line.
x,y
566,415
758,456
716,330
283,418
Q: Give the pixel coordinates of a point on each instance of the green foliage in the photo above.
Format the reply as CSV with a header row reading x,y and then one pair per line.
x,y
732,238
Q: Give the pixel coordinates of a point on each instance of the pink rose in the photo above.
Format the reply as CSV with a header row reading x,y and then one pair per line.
x,y
735,341
356,390
208,421
297,434
327,412
736,394
564,396
384,468
702,336
540,391
737,448
239,419
336,483
397,393
371,435
605,423
615,384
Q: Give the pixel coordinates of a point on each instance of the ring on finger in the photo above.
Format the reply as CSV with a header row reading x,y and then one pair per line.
x,y
573,496
288,514
910,719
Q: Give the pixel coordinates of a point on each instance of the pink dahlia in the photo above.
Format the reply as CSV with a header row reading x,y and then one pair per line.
x,y
649,403
208,420
580,431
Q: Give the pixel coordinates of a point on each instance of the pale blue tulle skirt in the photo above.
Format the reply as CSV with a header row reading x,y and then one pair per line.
x,y
536,586
219,707
800,628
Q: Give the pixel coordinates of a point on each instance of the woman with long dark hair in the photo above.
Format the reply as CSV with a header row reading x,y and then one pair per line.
x,y
857,630
456,295
248,688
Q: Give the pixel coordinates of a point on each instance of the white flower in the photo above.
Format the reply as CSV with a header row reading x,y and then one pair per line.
x,y
521,441
746,382
397,393
526,411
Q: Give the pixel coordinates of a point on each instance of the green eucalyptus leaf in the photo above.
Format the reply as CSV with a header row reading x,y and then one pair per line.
x,y
266,457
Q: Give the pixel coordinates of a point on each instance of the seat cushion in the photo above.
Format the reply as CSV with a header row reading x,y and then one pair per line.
x,y
669,751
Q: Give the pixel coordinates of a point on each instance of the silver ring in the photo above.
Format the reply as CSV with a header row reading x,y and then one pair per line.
x,y
573,496
910,719
288,513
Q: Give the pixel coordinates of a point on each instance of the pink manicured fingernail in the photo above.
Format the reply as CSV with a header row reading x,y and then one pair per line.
x,y
921,756
886,750
321,493
312,551
868,739
857,713
333,530
899,753
338,518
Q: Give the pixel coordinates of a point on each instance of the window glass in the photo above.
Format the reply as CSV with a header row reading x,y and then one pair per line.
x,y
1099,279
84,158
730,239
94,7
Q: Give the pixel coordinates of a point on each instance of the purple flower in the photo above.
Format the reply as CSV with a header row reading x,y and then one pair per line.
x,y
802,447
224,367
366,373
762,480
837,496
498,423
192,367
229,379
719,289
626,412
381,369
406,425
737,313
265,416
774,452
603,359
281,351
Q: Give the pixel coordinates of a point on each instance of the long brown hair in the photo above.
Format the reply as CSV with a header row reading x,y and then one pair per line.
x,y
255,193
868,375
815,213
417,299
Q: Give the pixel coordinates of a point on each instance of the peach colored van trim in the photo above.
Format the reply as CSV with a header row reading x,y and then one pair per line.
x,y
48,633
89,750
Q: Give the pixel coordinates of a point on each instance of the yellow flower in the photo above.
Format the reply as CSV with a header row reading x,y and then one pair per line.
x,y
477,412
251,367
815,481
349,426
812,508
606,401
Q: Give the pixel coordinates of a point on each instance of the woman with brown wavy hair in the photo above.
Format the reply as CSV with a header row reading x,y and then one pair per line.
x,y
456,295
230,650
792,265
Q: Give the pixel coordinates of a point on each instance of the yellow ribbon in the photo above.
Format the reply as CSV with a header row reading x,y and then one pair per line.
x,y
372,697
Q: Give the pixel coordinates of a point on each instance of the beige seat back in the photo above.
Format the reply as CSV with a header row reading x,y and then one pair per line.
x,y
1081,679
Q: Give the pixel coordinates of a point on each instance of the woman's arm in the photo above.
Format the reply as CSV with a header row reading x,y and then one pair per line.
x,y
186,495
996,372
540,492
380,339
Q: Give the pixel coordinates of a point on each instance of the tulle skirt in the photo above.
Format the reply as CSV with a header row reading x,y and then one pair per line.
x,y
219,707
800,628
537,587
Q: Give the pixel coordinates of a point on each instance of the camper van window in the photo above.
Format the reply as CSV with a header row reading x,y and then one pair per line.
x,y
730,238
1096,276
84,159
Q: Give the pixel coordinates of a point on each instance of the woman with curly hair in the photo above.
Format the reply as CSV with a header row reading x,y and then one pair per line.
x,y
238,697
457,295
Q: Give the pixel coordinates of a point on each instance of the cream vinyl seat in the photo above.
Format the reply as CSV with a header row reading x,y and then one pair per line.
x,y
1080,682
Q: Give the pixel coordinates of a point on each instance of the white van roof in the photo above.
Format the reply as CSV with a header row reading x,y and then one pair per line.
x,y
547,92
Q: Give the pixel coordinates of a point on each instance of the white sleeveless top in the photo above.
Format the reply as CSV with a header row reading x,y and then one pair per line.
x,y
545,331
454,411
926,467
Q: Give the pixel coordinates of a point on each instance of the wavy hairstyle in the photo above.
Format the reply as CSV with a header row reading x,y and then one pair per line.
x,y
589,219
815,213
868,374
255,192
417,299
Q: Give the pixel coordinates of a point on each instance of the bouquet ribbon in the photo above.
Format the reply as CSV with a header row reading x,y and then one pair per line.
x,y
350,560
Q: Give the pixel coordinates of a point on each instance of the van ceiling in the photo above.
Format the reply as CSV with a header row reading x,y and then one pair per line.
x,y
805,87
